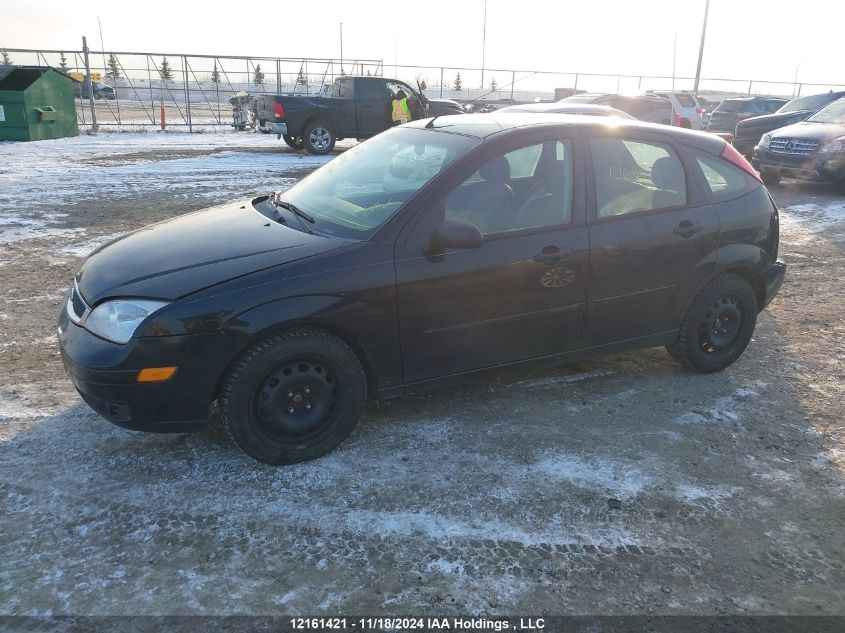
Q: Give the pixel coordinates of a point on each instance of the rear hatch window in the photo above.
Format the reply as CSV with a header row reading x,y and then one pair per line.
x,y
687,101
731,106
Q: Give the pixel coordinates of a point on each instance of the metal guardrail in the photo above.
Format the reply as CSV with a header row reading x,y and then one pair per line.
x,y
193,91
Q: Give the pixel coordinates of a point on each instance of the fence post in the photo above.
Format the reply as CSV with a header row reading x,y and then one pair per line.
x,y
87,82
441,82
749,87
187,91
513,81
799,89
576,82
279,78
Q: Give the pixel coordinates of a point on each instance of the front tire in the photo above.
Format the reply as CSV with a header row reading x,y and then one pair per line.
x,y
319,138
717,326
293,397
292,142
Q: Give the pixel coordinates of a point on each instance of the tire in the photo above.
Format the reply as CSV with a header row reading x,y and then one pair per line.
x,y
306,371
717,326
292,142
319,138
770,180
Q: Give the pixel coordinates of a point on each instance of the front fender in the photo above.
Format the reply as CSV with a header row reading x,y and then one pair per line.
x,y
370,329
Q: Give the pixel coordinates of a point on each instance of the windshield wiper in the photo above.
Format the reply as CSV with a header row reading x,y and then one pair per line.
x,y
277,203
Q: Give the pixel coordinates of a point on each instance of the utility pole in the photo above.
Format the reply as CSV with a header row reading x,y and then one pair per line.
x,y
701,48
483,43
341,48
674,58
87,83
102,47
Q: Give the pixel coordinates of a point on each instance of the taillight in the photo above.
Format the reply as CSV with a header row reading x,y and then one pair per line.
x,y
743,115
732,155
700,110
279,109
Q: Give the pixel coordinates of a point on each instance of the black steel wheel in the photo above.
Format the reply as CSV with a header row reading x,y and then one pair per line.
x,y
294,396
718,325
293,143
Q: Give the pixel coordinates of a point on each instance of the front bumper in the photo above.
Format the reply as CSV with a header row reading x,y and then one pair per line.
x,y
105,375
773,280
818,167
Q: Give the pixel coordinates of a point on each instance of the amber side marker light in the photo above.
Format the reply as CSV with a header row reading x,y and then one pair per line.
x,y
156,374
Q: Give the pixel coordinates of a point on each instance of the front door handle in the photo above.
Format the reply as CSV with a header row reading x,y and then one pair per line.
x,y
686,229
551,255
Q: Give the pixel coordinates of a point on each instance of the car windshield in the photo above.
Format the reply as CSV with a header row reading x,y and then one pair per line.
x,y
731,105
357,192
813,102
833,113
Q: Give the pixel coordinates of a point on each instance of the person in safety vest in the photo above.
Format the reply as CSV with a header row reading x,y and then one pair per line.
x,y
401,111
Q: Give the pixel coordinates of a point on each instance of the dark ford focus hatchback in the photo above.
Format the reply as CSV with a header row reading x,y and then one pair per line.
x,y
434,250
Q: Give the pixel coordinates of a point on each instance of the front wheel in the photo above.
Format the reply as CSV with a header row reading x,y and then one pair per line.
x,y
294,396
319,138
292,142
718,325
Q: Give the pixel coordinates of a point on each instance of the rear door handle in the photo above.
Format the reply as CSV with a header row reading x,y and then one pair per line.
x,y
686,229
551,255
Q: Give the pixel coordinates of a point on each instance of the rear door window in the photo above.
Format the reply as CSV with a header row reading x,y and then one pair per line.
x,y
633,175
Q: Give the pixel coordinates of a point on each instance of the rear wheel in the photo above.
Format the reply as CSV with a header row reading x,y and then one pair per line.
x,y
293,143
319,138
718,325
294,396
769,179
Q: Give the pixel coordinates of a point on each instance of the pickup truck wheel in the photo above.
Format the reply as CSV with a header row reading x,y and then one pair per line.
x,y
319,138
292,142
718,325
294,396
769,179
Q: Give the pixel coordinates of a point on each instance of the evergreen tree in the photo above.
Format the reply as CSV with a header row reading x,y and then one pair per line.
x,y
493,84
458,84
5,60
301,79
165,71
63,62
369,74
215,74
113,68
258,76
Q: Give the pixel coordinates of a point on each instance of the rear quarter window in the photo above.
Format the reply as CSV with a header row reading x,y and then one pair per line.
x,y
723,180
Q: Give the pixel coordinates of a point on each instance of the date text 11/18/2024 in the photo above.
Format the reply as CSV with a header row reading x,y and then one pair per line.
x,y
416,624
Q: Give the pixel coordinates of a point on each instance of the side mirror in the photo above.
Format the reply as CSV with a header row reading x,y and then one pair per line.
x,y
457,234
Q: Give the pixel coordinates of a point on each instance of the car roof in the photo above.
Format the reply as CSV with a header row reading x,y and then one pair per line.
x,y
567,107
484,126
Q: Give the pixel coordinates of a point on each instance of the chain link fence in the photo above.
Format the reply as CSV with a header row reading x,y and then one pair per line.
x,y
168,90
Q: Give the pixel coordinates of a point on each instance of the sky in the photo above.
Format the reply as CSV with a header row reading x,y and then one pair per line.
x,y
760,39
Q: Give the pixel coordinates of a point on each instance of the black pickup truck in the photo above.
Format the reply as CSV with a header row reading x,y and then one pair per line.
x,y
356,107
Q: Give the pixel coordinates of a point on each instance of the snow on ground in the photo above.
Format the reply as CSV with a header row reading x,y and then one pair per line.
x,y
39,179
803,221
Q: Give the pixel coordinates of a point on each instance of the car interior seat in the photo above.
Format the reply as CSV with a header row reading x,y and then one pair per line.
x,y
488,203
544,204
668,177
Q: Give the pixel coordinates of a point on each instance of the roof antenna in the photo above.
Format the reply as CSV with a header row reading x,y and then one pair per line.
x,y
430,124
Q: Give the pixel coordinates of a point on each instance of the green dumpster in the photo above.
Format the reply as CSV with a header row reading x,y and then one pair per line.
x,y
36,102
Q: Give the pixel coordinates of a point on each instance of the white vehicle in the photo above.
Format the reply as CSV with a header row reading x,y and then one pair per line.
x,y
685,104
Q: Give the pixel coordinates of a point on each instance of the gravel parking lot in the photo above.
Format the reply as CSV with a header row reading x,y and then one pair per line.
x,y
623,485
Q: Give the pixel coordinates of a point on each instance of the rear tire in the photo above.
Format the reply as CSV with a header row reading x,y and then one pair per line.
x,y
294,396
319,138
717,326
770,180
292,142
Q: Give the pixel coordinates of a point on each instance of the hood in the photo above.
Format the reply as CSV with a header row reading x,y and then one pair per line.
x,y
174,258
769,122
811,131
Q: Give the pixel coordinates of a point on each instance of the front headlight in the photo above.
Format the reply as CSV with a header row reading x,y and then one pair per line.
x,y
836,146
118,319
766,140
